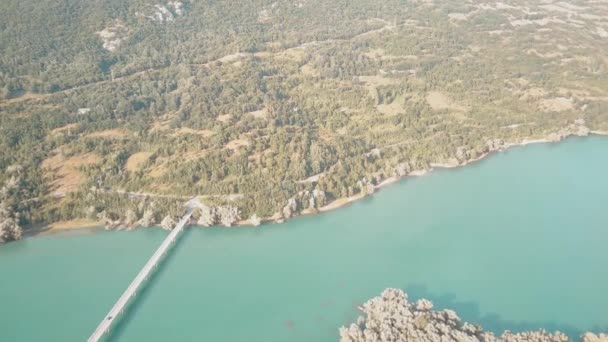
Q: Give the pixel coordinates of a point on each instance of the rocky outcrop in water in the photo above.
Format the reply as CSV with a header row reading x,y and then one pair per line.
x,y
495,145
291,208
228,215
130,218
391,317
110,220
315,198
168,223
463,154
402,170
304,200
148,219
578,128
210,216
255,220
366,186
206,216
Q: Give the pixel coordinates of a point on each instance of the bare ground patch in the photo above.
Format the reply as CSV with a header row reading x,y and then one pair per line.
x,y
309,70
202,132
260,114
233,57
63,129
392,108
236,144
556,104
548,55
136,161
375,53
109,134
193,155
380,54
296,54
532,93
65,171
458,16
224,118
26,96
159,126
439,101
158,171
74,224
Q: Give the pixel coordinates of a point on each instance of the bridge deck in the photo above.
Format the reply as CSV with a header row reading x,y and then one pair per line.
x,y
123,301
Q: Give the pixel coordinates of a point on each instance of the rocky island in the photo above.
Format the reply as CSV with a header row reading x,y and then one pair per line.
x,y
392,318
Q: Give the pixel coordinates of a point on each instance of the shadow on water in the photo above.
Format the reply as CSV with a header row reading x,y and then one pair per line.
x,y
469,311
131,310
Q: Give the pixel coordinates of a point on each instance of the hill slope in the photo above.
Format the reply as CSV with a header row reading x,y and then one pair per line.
x,y
257,104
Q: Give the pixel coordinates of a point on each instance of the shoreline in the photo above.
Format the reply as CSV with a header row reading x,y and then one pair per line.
x,y
67,226
78,224
345,201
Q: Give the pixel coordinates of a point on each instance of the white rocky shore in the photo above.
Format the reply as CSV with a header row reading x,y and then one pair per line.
x,y
316,201
391,318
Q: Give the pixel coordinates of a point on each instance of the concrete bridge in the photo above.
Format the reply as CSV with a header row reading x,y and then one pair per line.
x,y
103,328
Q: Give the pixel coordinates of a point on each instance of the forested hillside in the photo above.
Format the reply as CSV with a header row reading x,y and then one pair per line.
x,y
119,110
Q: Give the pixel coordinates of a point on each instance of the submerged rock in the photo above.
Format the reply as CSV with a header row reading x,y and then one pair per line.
x,y
390,317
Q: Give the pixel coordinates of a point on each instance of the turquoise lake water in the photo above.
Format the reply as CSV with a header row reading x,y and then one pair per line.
x,y
516,241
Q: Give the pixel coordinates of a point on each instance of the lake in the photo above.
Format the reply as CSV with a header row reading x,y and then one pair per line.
x,y
516,241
